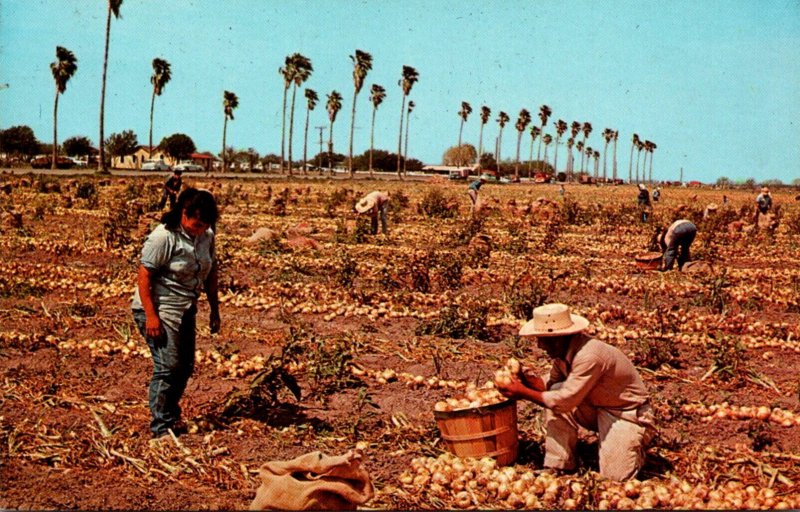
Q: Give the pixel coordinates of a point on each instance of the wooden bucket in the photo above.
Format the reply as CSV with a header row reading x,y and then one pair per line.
x,y
489,431
649,261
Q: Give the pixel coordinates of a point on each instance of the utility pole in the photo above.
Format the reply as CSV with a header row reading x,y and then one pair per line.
x,y
319,163
681,175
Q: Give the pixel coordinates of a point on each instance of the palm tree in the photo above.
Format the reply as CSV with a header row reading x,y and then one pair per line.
x,y
486,112
639,148
544,115
311,102
502,119
333,106
466,110
63,68
408,123
287,72
652,149
634,143
546,139
162,73
302,70
410,77
561,129
570,143
230,102
362,63
523,121
535,132
113,8
376,96
608,135
644,162
616,136
588,152
587,129
579,147
575,128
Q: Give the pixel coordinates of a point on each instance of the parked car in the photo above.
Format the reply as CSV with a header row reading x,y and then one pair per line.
x,y
189,167
155,165
458,174
44,162
79,162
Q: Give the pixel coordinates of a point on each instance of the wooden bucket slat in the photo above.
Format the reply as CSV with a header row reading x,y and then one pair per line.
x,y
479,435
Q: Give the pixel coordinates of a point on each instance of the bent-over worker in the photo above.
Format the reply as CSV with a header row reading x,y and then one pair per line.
x,y
763,203
376,204
676,240
591,384
473,189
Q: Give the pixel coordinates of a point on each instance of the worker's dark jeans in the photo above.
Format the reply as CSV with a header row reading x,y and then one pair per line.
x,y
683,236
173,363
166,195
382,211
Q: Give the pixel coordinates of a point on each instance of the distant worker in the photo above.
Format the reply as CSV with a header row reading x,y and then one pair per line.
x,y
763,203
676,240
172,187
473,189
376,204
710,210
643,201
591,384
562,190
657,194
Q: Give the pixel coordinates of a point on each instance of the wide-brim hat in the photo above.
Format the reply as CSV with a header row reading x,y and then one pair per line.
x,y
712,207
365,205
553,320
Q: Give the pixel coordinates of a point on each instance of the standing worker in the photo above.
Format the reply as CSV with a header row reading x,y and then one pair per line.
x,y
591,384
643,200
375,203
677,239
172,187
473,189
763,204
177,263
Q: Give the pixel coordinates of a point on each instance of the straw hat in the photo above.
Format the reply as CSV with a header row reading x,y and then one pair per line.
x,y
712,207
553,320
366,204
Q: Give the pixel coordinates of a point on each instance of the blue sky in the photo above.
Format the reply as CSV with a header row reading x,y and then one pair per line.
x,y
715,84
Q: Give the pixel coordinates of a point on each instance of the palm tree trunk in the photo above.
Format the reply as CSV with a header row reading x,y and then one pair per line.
x,y
291,127
372,139
516,165
545,156
352,130
638,157
539,151
630,166
330,149
101,164
530,160
499,145
480,144
605,155
555,155
569,164
460,132
651,168
305,143
150,139
400,136
283,127
405,151
55,132
224,140
614,161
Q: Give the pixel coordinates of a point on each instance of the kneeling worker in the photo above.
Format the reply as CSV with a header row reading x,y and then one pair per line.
x,y
591,384
375,203
679,235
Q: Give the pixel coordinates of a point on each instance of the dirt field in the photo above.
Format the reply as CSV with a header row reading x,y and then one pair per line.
x,y
318,300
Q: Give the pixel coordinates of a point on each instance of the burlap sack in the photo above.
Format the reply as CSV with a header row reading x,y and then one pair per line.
x,y
313,481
